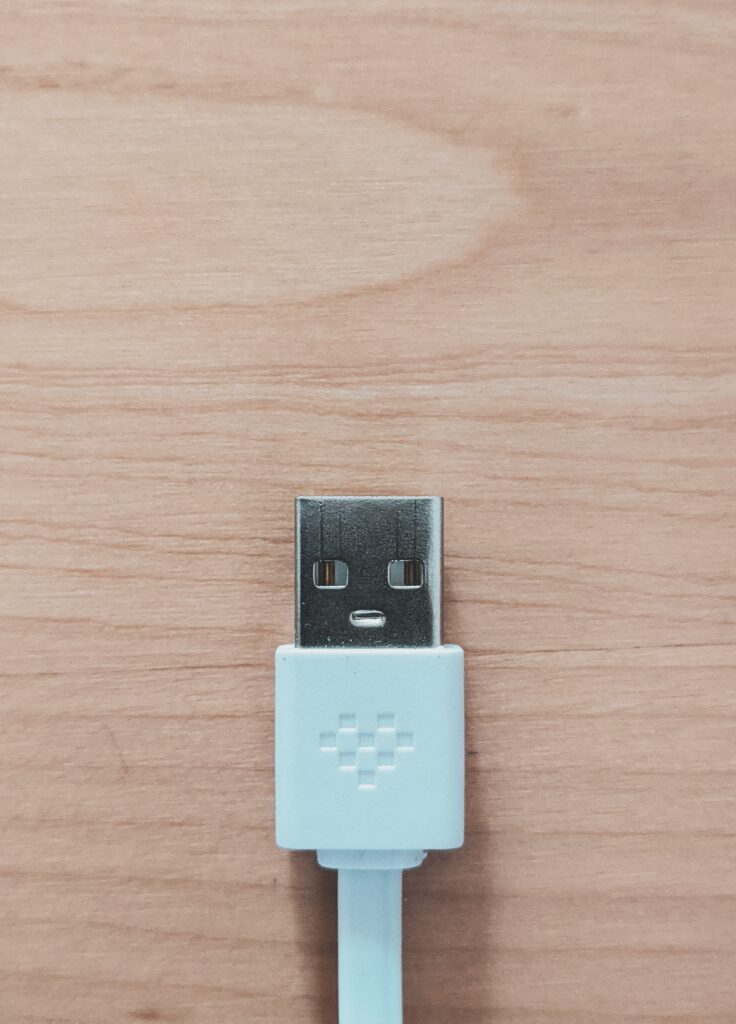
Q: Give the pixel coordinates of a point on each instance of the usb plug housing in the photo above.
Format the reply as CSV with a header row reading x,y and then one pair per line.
x,y
369,702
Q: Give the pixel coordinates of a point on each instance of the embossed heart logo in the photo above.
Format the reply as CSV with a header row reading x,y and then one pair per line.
x,y
367,752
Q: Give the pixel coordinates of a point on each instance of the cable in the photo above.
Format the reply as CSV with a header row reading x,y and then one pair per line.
x,y
369,946
369,753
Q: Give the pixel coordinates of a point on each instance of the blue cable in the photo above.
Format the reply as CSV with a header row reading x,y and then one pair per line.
x,y
369,946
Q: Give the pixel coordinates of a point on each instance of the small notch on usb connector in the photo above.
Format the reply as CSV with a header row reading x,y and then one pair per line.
x,y
367,618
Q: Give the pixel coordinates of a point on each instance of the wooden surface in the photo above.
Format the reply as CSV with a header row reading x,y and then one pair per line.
x,y
485,250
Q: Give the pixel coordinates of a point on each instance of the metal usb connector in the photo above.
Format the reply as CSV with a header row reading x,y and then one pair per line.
x,y
368,572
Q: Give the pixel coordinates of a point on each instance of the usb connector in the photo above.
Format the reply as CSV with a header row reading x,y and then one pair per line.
x,y
369,572
369,724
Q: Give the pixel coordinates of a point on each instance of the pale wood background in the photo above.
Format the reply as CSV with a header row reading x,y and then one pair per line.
x,y
485,250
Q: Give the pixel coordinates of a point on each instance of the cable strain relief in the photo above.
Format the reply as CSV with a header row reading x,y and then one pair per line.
x,y
370,860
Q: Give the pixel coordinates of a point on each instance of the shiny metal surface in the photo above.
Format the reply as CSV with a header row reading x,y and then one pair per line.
x,y
368,534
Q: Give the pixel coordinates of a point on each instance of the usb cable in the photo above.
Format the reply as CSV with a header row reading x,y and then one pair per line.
x,y
369,724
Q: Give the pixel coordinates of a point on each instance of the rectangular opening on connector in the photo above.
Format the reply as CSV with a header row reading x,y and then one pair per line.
x,y
330,574
405,573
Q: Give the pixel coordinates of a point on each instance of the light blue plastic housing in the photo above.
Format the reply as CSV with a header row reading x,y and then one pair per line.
x,y
369,748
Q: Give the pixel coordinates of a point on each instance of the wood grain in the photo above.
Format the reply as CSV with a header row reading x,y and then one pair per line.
x,y
481,249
